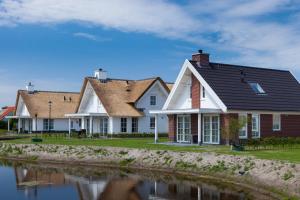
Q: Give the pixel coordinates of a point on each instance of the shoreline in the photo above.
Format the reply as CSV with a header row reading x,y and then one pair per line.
x,y
167,162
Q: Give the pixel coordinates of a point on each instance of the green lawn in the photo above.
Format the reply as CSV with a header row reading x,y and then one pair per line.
x,y
292,155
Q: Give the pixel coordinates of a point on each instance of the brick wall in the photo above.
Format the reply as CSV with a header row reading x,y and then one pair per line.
x,y
172,127
195,92
290,126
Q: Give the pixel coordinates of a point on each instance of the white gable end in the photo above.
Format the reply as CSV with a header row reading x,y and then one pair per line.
x,y
90,103
22,110
180,97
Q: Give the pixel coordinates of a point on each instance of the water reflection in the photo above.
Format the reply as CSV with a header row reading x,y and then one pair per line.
x,y
93,184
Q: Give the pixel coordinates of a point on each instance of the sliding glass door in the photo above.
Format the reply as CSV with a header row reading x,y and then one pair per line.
x,y
183,128
211,129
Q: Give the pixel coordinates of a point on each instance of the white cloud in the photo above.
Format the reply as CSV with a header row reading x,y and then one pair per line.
x,y
90,37
157,16
263,33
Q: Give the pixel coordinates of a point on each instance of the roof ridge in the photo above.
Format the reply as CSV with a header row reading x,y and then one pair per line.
x,y
48,91
252,67
123,79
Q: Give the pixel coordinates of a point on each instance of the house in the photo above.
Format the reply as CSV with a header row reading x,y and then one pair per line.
x,y
44,111
108,106
6,111
208,96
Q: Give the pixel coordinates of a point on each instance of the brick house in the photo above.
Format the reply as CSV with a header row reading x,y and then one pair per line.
x,y
207,95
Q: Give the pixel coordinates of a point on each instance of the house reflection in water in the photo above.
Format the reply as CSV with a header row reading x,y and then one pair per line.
x,y
116,188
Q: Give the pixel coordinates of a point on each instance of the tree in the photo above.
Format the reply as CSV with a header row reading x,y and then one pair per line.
x,y
232,130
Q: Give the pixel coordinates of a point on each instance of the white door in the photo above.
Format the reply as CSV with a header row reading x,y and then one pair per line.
x,y
183,128
211,129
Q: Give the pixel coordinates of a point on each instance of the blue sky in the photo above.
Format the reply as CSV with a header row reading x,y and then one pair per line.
x,y
56,43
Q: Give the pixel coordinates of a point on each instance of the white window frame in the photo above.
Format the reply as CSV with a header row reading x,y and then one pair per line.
x,y
245,128
258,125
256,87
152,123
134,124
210,121
274,122
123,123
47,123
103,125
184,128
153,100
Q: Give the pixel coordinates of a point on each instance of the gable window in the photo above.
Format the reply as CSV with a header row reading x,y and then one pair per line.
x,y
48,126
203,93
243,121
257,88
152,100
134,125
152,122
276,122
123,125
255,126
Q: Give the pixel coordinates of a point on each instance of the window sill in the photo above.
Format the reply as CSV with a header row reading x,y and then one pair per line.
x,y
276,130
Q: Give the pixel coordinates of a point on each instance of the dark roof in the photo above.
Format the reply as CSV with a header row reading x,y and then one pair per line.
x,y
281,87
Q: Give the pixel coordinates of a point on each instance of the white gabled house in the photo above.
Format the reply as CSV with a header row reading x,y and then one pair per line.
x,y
109,106
44,111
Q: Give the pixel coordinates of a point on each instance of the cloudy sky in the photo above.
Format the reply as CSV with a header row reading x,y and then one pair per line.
x,y
56,43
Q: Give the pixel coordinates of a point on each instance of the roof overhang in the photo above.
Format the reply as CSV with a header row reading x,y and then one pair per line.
x,y
17,117
78,115
186,111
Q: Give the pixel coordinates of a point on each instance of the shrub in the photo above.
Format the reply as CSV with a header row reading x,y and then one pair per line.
x,y
272,143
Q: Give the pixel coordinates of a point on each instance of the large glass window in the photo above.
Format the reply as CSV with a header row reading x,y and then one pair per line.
x,y
134,125
211,129
183,128
152,100
243,121
103,125
255,126
276,122
46,124
123,125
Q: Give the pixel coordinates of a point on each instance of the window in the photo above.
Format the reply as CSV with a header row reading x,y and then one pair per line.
x,y
123,125
134,125
47,125
152,100
103,125
257,88
72,124
276,122
203,95
183,128
211,129
255,126
152,122
243,121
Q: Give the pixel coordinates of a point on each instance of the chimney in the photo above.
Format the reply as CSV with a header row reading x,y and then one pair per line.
x,y
201,58
101,75
30,88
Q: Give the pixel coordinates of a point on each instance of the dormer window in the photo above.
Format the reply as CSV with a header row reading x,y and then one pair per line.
x,y
257,88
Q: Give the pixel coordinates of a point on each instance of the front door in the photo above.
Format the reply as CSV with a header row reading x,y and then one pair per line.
x,y
183,128
211,129
103,126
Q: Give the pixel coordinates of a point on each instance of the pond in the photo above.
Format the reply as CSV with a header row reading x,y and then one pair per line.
x,y
30,181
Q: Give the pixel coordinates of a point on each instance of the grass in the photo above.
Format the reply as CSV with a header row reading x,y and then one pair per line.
x,y
291,155
3,131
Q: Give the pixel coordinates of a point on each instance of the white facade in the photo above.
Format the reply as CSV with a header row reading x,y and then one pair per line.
x,y
93,113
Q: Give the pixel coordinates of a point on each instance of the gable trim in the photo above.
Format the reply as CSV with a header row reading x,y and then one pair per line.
x,y
188,65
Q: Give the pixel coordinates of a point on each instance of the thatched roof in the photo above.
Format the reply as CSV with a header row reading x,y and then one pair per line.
x,y
119,96
37,103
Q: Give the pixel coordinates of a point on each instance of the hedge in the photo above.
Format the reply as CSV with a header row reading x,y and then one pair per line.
x,y
272,143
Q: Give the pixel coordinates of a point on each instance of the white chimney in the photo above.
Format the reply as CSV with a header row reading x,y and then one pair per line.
x,y
30,88
100,74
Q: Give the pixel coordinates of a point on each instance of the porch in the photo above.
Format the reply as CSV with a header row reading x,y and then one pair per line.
x,y
92,123
192,126
25,124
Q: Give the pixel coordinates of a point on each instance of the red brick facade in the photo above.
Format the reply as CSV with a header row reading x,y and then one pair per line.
x,y
172,127
224,126
195,92
290,126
